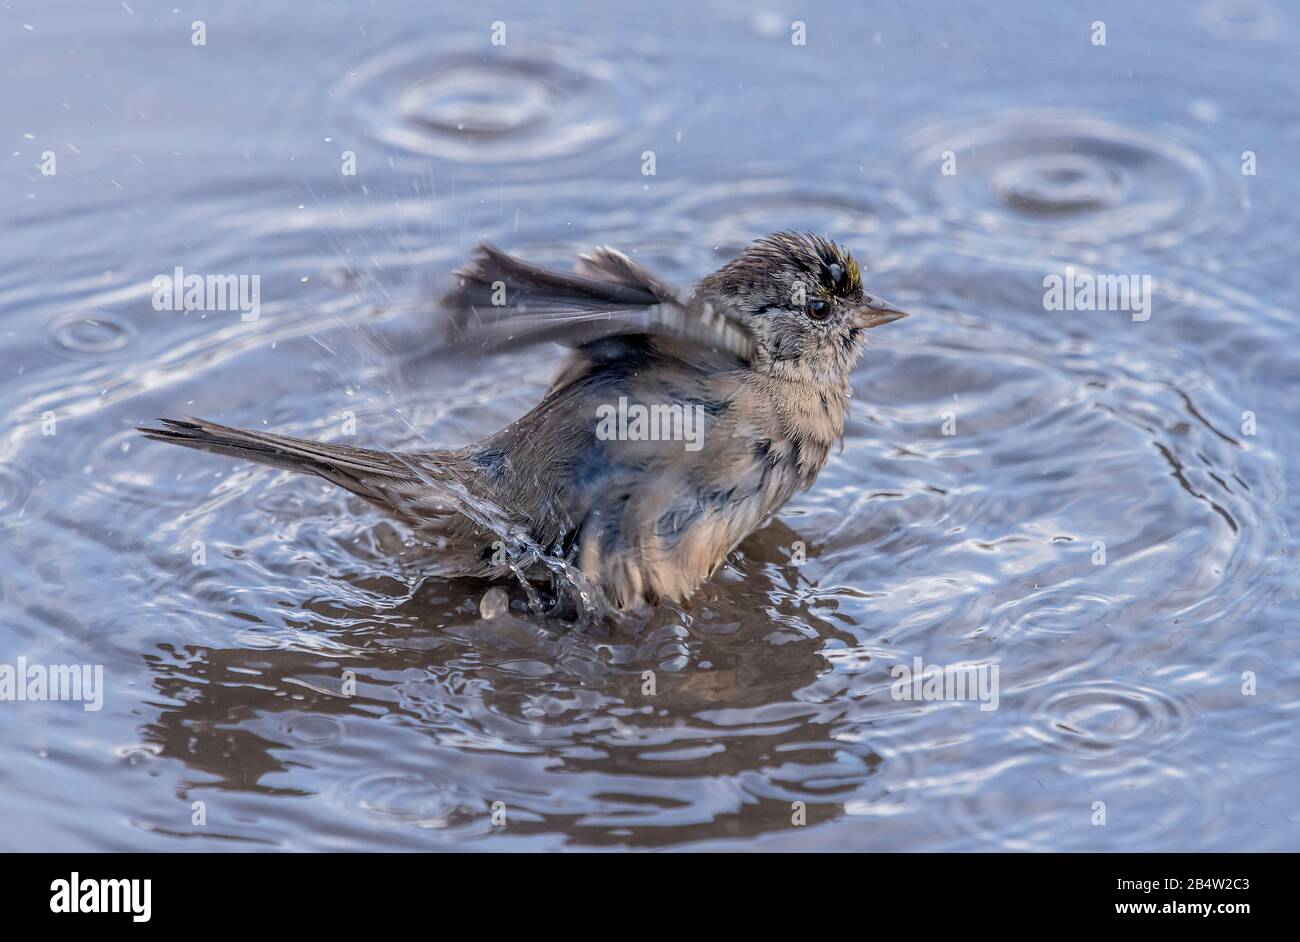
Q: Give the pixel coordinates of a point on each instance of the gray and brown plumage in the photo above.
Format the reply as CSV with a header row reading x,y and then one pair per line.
x,y
764,346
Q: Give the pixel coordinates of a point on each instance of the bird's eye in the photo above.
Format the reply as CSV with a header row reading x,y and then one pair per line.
x,y
818,309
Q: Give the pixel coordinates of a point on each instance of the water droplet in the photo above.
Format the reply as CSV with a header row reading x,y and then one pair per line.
x,y
494,602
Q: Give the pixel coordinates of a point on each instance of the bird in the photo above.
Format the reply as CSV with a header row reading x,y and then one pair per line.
x,y
679,422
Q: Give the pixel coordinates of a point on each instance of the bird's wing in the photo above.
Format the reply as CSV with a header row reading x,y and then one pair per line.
x,y
610,265
499,302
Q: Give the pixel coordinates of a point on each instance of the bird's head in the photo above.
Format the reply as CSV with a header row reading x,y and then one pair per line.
x,y
801,296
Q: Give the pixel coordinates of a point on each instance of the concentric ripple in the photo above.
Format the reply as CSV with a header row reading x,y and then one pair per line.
x,y
1074,177
475,99
495,106
90,336
1059,184
1146,805
1108,720
311,729
408,799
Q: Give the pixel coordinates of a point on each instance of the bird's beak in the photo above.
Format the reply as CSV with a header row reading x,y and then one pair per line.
x,y
876,311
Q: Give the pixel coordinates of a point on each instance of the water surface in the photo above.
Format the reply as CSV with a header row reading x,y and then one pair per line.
x,y
994,445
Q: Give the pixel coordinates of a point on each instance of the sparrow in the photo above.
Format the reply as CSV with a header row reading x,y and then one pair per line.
x,y
678,423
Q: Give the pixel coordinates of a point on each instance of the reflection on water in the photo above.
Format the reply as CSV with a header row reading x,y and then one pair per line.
x,y
1098,505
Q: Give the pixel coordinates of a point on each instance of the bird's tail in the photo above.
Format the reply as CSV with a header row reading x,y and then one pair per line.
x,y
374,475
436,493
